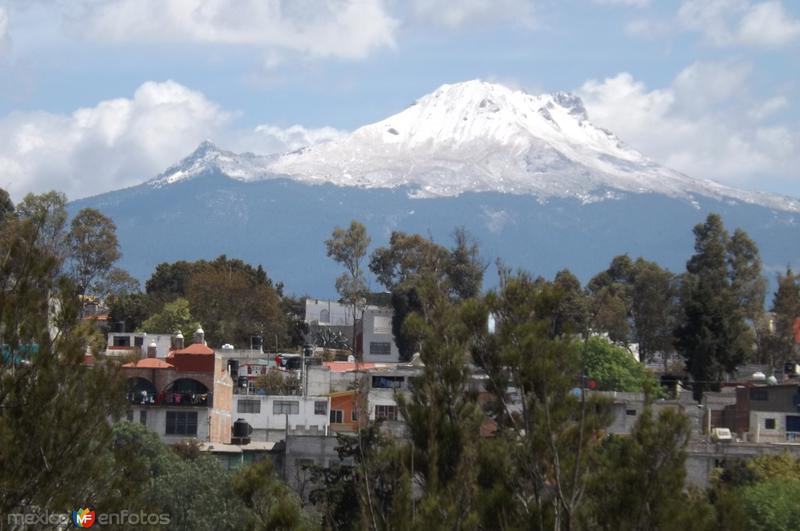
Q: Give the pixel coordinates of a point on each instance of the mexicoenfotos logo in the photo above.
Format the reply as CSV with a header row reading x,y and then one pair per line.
x,y
83,517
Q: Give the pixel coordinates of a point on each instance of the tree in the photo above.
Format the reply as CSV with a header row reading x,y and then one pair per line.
x,y
271,505
127,311
613,368
233,305
771,504
93,249
372,491
50,209
54,410
169,280
6,206
465,269
443,417
640,481
118,283
786,307
713,336
654,310
277,382
748,285
173,316
554,430
348,247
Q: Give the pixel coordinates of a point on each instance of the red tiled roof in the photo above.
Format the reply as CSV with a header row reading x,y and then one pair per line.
x,y
194,348
149,363
346,366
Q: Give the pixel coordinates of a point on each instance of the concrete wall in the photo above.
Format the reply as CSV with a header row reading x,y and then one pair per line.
x,y
377,328
156,421
337,314
307,449
270,426
163,342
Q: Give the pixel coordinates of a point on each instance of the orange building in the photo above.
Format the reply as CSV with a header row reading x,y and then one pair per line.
x,y
344,413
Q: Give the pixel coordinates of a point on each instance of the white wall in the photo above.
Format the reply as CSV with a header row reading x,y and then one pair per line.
x,y
267,420
157,422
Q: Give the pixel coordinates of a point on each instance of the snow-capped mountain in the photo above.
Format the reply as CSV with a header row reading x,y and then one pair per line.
x,y
530,177
476,137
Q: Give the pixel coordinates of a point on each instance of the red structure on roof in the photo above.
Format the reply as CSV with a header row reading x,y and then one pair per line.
x,y
194,358
149,363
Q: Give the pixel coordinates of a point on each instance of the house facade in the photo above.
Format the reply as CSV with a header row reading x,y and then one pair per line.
x,y
188,394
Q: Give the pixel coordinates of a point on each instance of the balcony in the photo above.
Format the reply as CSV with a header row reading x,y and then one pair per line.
x,y
171,399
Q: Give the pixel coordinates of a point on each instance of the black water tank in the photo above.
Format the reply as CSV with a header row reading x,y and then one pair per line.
x,y
241,429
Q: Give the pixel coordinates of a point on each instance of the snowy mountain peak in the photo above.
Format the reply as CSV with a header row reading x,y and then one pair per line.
x,y
475,136
208,158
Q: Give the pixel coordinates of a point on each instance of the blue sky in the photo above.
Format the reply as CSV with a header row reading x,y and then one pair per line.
x,y
100,94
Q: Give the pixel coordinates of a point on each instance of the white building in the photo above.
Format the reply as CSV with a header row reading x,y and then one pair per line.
x,y
328,313
124,344
268,415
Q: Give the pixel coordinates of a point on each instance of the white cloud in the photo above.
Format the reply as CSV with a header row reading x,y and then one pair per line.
x,y
348,29
720,139
124,141
636,3
765,109
467,12
768,25
740,22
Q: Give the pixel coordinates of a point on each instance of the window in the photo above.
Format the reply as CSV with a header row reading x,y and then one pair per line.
x,y
769,424
759,394
381,325
248,406
282,407
122,341
138,341
387,382
320,407
630,412
380,348
354,415
386,412
181,423
337,416
129,416
143,417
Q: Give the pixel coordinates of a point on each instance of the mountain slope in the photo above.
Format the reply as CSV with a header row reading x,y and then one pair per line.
x,y
530,176
477,137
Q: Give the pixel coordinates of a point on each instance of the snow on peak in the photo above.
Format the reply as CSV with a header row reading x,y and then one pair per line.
x,y
208,158
475,136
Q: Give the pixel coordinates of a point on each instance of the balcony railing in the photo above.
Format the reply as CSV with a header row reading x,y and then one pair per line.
x,y
171,399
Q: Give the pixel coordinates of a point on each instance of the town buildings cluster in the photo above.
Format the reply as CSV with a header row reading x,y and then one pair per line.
x,y
189,390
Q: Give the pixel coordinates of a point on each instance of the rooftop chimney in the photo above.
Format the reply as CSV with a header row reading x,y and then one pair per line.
x,y
179,340
200,336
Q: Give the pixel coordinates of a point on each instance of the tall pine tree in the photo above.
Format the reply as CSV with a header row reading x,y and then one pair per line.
x,y
713,337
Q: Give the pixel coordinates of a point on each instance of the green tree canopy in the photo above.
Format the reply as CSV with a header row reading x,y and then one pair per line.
x,y
173,316
93,249
614,368
713,336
